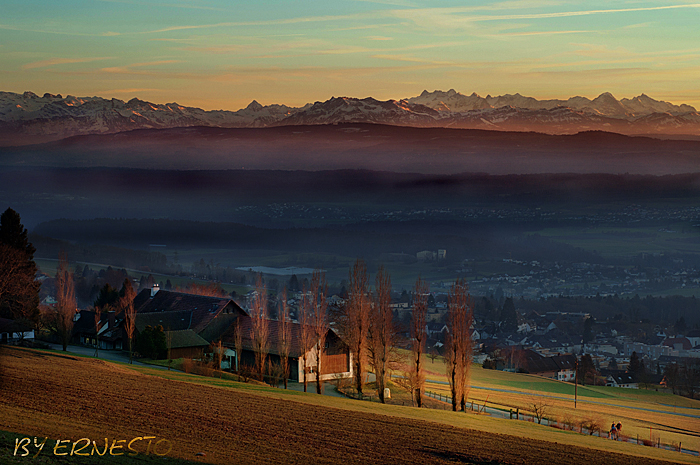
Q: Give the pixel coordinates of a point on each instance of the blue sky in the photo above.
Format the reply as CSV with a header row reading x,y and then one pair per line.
x,y
223,54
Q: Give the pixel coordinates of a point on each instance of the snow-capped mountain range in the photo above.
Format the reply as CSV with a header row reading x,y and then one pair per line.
x,y
29,118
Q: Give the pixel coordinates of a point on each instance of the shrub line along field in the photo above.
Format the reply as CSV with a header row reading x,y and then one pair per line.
x,y
60,396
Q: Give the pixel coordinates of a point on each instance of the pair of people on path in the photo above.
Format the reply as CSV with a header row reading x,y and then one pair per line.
x,y
615,430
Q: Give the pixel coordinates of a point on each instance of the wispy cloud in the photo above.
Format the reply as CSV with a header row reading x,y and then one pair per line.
x,y
168,5
273,22
390,2
129,69
543,33
379,38
61,61
9,27
463,16
135,90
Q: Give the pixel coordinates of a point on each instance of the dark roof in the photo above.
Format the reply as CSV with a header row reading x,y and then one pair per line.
x,y
170,321
565,362
624,378
535,363
86,323
274,330
186,338
13,326
683,341
693,333
203,308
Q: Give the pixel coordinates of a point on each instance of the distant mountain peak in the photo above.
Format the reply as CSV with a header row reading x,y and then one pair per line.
x,y
29,117
254,106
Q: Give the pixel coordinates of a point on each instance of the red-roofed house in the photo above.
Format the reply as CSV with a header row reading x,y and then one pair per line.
x,y
678,343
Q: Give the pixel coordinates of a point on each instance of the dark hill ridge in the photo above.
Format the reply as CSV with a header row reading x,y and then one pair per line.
x,y
49,193
365,146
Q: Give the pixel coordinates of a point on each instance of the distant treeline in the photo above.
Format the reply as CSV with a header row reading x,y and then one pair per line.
x,y
349,186
87,251
684,312
460,241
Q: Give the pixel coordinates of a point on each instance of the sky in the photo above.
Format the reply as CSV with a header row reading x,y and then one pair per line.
x,y
222,54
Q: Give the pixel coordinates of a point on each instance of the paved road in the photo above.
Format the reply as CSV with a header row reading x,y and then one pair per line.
x,y
110,355
512,391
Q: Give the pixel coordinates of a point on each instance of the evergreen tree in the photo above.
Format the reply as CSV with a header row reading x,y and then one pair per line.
x,y
586,369
19,290
509,317
108,296
635,366
588,330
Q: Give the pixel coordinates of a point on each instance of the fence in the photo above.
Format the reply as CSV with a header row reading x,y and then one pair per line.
x,y
516,414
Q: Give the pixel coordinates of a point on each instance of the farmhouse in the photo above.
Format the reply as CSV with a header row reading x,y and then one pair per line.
x,y
109,331
560,367
623,380
11,330
192,322
336,361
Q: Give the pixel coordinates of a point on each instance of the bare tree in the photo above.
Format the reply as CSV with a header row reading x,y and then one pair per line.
x,y
169,346
540,407
238,344
459,347
98,315
65,302
356,320
419,334
18,289
260,324
432,354
382,331
285,336
219,350
307,332
467,345
126,303
319,289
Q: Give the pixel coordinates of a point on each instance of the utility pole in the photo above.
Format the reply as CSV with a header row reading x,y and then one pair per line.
x,y
576,382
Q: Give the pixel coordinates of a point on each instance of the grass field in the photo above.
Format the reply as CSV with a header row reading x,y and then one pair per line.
x,y
648,414
67,397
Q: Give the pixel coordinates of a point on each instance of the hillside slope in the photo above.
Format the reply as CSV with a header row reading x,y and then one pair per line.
x,y
61,396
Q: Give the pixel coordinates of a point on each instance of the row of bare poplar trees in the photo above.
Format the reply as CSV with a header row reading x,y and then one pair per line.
x,y
367,326
369,330
313,328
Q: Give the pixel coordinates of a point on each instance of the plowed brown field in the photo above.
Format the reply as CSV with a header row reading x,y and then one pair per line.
x,y
45,394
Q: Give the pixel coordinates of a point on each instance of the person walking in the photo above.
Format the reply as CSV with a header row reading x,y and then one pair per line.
x,y
613,431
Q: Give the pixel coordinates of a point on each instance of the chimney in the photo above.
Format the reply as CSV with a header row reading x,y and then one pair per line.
x,y
155,289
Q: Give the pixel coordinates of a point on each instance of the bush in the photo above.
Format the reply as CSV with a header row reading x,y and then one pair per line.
x,y
567,422
593,425
187,365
